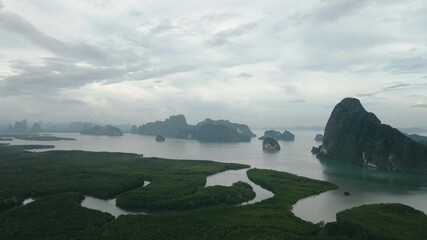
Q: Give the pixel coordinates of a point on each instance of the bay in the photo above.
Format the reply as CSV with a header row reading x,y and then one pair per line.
x,y
365,185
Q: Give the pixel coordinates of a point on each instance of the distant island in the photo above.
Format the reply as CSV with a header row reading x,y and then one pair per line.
x,y
270,144
418,138
206,131
160,138
22,127
285,136
354,135
100,130
319,138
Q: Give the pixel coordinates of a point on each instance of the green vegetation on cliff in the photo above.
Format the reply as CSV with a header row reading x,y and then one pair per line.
x,y
354,135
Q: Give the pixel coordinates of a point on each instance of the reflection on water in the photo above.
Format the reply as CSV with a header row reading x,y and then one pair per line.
x,y
108,206
229,177
365,185
226,178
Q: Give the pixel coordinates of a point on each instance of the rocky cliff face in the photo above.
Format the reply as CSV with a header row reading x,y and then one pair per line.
x,y
354,135
99,130
418,138
168,128
36,128
160,138
270,144
270,134
287,136
319,138
134,129
241,129
206,131
20,127
219,133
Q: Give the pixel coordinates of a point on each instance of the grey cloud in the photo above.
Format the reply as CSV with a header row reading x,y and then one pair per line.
x,y
73,102
235,59
218,17
135,12
298,101
408,65
332,10
55,75
60,74
244,75
62,71
224,37
102,3
161,72
291,89
162,27
421,105
19,25
367,94
398,86
331,50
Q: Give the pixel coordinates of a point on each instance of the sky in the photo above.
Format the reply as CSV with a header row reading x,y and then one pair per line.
x,y
264,63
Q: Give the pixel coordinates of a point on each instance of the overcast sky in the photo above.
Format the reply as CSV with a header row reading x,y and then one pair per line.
x,y
264,63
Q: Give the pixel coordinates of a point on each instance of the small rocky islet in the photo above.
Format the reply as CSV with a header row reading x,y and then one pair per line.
x,y
270,144
160,138
285,136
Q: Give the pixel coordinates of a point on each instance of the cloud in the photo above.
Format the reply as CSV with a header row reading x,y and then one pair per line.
x,y
218,17
408,65
162,27
371,94
73,102
14,23
329,11
298,101
421,105
398,86
333,10
77,64
56,74
223,59
225,36
244,75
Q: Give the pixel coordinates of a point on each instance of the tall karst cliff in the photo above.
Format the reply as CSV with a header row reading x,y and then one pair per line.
x,y
354,135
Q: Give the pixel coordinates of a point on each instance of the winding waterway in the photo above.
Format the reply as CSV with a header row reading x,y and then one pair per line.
x,y
227,178
365,185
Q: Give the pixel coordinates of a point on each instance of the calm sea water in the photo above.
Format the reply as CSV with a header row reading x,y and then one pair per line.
x,y
366,185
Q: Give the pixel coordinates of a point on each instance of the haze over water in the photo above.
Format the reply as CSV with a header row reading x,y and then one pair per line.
x,y
366,185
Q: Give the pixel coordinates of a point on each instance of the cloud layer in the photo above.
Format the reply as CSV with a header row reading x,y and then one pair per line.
x,y
269,63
